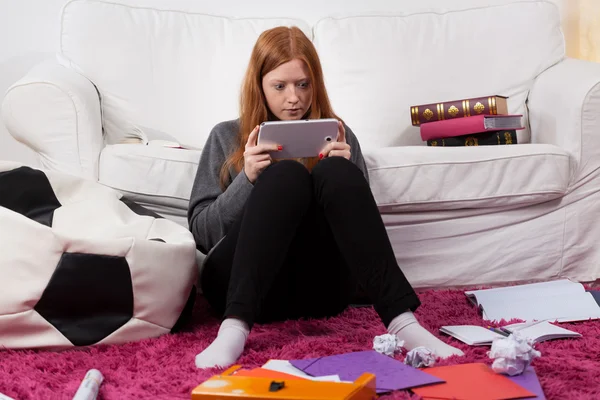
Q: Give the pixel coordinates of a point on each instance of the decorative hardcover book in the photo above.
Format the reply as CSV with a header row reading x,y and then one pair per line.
x,y
491,105
470,126
477,139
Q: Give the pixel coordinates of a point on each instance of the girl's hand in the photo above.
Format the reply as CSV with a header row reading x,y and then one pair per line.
x,y
257,158
339,148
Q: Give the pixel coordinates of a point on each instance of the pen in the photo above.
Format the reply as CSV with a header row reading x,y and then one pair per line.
x,y
498,331
505,330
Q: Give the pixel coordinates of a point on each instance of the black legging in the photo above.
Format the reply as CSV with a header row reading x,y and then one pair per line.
x,y
301,244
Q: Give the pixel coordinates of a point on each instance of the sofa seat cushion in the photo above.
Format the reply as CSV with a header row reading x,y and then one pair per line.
x,y
407,178
417,178
149,170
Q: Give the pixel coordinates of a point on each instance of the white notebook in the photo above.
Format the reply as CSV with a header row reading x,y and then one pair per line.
x,y
561,301
480,336
471,334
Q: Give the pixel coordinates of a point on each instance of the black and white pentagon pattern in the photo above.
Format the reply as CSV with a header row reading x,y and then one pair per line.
x,y
28,192
89,296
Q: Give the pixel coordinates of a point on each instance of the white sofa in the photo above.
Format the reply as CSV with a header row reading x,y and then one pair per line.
x,y
456,216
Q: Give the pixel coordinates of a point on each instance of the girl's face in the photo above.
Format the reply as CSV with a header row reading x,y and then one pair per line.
x,y
288,90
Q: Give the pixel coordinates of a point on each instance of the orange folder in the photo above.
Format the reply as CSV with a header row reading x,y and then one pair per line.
x,y
266,373
474,381
230,385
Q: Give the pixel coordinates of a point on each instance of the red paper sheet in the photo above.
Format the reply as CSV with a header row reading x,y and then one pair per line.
x,y
474,381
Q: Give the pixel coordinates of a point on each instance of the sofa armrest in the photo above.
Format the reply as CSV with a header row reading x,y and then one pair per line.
x,y
564,110
56,112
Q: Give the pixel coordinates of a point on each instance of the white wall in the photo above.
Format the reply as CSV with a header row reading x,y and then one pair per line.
x,y
28,35
29,32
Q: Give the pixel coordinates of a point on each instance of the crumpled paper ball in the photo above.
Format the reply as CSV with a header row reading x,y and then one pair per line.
x,y
420,357
512,355
387,344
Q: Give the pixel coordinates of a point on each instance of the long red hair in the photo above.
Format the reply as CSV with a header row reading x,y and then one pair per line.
x,y
273,48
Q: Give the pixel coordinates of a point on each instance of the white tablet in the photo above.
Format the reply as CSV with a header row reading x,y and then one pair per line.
x,y
299,138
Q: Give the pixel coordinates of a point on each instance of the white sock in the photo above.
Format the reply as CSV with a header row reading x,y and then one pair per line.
x,y
227,347
407,328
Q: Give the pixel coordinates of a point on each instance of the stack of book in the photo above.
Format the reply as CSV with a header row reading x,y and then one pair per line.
x,y
480,121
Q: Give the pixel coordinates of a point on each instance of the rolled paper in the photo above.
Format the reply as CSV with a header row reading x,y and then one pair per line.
x,y
90,385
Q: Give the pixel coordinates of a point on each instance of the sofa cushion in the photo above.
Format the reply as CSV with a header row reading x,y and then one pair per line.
x,y
150,170
416,178
177,71
378,66
408,178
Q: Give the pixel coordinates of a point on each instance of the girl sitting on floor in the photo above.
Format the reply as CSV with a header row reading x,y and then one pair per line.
x,y
291,239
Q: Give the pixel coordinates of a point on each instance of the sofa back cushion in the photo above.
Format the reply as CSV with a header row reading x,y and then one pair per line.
x,y
179,71
377,67
176,72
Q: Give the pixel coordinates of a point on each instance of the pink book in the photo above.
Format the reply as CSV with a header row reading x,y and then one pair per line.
x,y
470,125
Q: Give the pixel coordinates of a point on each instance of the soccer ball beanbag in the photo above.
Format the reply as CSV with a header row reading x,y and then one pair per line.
x,y
80,266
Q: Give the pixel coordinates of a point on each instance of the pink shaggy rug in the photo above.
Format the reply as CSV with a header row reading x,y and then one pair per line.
x,y
163,368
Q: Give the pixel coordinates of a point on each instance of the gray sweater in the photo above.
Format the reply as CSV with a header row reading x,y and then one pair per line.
x,y
213,211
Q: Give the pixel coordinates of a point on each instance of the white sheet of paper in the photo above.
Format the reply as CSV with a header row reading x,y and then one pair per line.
x,y
527,291
287,368
575,307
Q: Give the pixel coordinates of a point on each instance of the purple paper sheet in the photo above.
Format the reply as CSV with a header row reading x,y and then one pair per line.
x,y
529,380
303,364
390,374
